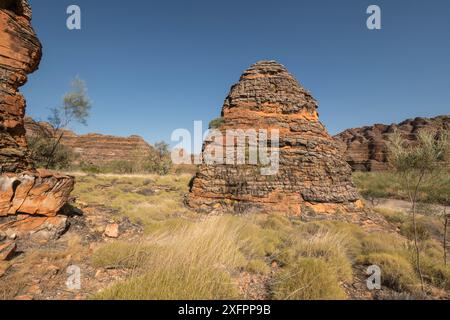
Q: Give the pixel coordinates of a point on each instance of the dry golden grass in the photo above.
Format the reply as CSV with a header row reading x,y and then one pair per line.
x,y
195,263
396,271
307,279
189,256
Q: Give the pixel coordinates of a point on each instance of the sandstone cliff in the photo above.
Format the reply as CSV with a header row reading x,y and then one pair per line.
x,y
22,189
365,148
313,174
96,149
20,54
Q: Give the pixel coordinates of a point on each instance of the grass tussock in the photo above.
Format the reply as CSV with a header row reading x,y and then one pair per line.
x,y
331,248
307,279
196,263
396,271
122,255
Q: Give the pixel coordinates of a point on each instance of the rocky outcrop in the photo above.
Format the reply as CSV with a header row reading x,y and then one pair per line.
x,y
96,149
20,53
40,193
365,148
312,174
22,189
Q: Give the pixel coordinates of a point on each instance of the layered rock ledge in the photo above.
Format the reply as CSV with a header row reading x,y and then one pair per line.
x,y
35,192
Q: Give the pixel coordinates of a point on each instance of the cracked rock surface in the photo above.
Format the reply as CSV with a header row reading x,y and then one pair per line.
x,y
313,173
22,188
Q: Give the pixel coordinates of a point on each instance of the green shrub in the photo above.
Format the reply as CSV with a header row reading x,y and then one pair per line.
x,y
433,267
437,274
46,153
120,166
407,229
216,123
159,159
89,168
388,185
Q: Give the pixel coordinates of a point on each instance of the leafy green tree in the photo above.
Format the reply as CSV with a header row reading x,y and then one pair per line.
x,y
42,148
159,159
75,107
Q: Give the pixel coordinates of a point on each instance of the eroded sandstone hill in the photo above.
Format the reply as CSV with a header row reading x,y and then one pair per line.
x,y
22,189
365,148
96,149
313,175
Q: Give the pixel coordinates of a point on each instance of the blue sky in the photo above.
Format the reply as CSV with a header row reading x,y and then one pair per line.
x,y
154,66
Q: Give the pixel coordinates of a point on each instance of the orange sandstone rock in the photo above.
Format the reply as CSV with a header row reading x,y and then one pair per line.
x,y
7,249
22,189
40,193
20,53
312,174
112,230
366,147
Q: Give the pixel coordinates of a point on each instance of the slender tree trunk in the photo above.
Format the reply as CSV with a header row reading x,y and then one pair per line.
x,y
416,240
416,247
445,236
51,156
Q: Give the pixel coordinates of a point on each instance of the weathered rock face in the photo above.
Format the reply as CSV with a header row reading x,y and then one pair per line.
x,y
42,193
22,189
312,175
20,54
365,148
96,149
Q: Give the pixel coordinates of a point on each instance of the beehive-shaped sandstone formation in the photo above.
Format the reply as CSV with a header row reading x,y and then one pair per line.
x,y
312,175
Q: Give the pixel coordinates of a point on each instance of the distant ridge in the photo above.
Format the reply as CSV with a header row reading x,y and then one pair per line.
x,y
365,147
94,148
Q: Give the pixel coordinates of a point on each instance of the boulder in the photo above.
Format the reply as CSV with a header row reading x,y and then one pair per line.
x,y
34,193
112,230
7,249
37,228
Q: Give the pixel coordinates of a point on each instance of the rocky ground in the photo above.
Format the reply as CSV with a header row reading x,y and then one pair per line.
x,y
36,257
37,266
